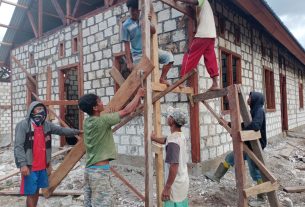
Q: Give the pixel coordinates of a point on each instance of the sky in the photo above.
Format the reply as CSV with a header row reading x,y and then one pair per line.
x,y
292,13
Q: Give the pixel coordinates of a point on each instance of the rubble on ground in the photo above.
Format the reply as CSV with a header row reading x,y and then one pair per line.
x,y
285,161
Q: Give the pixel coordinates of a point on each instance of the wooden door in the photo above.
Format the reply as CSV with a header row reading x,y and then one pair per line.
x,y
283,91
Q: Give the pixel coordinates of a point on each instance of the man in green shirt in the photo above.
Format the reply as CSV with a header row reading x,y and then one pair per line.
x,y
100,148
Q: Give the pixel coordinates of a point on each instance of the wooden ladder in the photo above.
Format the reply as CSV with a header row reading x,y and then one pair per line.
x,y
238,110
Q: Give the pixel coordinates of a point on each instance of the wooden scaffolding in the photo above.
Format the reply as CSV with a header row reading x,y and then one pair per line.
x,y
146,73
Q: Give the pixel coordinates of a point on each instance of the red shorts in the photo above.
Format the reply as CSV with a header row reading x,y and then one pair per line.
x,y
200,47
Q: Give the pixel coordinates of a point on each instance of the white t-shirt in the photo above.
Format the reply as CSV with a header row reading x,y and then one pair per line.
x,y
206,25
176,144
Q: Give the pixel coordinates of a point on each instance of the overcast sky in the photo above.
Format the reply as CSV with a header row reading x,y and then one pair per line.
x,y
291,12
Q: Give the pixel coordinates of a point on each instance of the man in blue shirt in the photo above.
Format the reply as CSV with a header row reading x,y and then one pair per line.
x,y
131,35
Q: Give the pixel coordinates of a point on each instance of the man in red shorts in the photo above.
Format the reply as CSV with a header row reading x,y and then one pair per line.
x,y
203,43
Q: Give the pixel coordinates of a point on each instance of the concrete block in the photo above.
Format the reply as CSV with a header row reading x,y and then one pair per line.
x,y
112,21
170,25
125,140
163,15
122,149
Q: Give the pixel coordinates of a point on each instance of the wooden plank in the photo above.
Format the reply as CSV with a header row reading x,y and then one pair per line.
x,y
259,164
131,84
17,171
272,196
14,4
157,115
24,70
180,7
32,22
40,18
162,87
59,11
60,102
224,124
49,92
249,135
6,43
116,75
155,98
237,145
56,193
148,108
210,95
294,189
133,189
261,188
75,7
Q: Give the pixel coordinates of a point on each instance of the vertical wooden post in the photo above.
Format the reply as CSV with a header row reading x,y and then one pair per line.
x,y
148,108
237,144
68,11
49,92
40,18
80,72
32,22
157,113
194,110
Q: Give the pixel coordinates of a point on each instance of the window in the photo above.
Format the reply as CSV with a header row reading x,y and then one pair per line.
x,y
31,59
75,45
301,97
301,90
222,26
61,50
231,72
269,89
237,35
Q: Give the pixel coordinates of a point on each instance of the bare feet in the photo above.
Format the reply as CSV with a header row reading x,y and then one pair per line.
x,y
163,81
215,85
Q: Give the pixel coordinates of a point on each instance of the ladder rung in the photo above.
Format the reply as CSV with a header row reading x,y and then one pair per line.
x,y
249,135
210,95
261,188
161,87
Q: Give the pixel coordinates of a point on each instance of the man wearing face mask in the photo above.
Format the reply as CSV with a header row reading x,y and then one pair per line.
x,y
32,150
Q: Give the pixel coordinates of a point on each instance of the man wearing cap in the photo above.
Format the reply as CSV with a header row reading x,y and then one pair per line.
x,y
177,181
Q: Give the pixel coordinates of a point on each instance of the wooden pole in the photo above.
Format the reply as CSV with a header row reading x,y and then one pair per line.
x,y
40,18
68,11
237,144
31,19
49,88
157,112
148,108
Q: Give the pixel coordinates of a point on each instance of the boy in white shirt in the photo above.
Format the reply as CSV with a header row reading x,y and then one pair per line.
x,y
177,181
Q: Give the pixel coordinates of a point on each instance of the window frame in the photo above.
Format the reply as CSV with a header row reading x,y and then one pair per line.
x,y
230,78
61,49
269,88
75,44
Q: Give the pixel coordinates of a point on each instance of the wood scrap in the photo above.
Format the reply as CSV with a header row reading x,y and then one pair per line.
x,y
294,189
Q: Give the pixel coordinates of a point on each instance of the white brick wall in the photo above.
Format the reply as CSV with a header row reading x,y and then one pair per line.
x,y
5,111
101,39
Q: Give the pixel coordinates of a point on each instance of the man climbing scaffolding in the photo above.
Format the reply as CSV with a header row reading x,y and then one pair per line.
x,y
203,43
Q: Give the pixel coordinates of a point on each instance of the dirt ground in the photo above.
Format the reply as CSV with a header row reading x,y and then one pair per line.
x,y
284,160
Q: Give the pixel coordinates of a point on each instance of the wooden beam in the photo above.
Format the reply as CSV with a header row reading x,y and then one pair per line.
x,y
68,11
56,193
15,172
210,95
224,124
294,189
133,189
117,76
157,149
180,7
49,92
40,18
162,87
259,164
29,76
148,108
14,4
131,84
59,11
249,135
6,43
75,7
261,188
60,103
237,144
31,19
